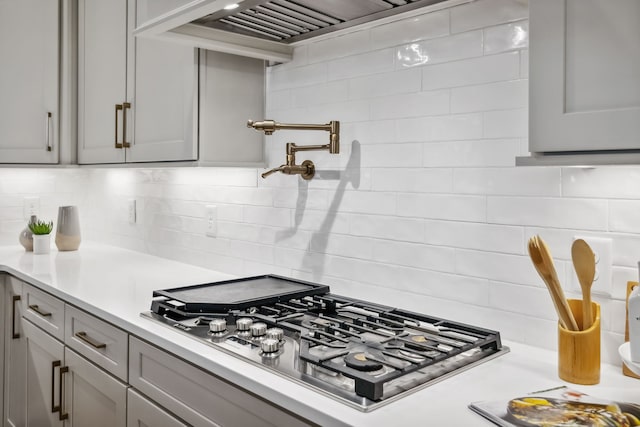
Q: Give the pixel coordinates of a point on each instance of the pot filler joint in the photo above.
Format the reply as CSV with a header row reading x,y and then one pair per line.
x,y
306,169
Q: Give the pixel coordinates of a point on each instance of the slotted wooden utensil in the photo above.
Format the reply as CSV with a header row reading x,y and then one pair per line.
x,y
584,262
543,262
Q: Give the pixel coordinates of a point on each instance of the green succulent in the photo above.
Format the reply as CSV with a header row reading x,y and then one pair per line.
x,y
41,227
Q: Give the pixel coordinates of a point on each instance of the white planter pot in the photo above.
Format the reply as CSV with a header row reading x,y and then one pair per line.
x,y
41,243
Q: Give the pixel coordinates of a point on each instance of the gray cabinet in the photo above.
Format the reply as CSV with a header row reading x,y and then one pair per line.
x,y
137,98
141,412
14,391
29,81
584,76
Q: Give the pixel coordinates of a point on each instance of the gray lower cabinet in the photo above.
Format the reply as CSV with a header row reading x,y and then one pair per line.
x,y
14,392
201,399
141,412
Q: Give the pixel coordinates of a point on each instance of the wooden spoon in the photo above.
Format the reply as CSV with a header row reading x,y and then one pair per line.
x,y
584,261
542,261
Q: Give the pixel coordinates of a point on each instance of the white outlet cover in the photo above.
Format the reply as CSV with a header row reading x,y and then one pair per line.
x,y
132,211
30,206
211,220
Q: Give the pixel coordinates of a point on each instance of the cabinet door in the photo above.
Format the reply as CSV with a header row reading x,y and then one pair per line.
x,y
163,95
92,397
102,79
44,357
584,84
141,412
15,368
29,48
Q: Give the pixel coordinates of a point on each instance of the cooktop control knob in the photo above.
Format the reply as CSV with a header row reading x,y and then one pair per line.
x,y
258,329
243,324
217,325
275,333
269,345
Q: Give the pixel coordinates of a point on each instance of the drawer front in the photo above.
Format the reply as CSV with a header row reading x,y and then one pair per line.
x,y
44,310
196,396
143,412
100,342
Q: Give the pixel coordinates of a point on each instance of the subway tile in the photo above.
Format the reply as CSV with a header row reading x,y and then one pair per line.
x,y
505,123
296,77
416,28
527,300
508,268
251,251
320,221
342,245
413,180
337,47
623,216
378,61
615,183
492,96
371,202
472,153
405,81
369,132
411,105
442,206
392,155
484,13
506,37
508,181
440,128
348,111
325,93
475,235
554,212
387,227
443,49
524,63
484,69
267,216
413,255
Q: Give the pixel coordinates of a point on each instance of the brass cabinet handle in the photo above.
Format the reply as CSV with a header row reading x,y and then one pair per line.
x,y
125,107
93,343
55,364
118,108
48,131
14,334
63,370
37,309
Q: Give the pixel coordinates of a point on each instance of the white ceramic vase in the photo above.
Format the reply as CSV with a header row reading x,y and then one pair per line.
x,y
41,243
68,228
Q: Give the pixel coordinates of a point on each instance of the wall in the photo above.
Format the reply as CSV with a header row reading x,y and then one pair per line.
x,y
423,208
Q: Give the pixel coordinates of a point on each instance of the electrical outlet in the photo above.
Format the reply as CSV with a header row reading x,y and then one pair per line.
x,y
211,220
132,214
603,251
30,206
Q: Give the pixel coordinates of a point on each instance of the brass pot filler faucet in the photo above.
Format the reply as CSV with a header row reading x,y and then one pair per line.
x,y
307,169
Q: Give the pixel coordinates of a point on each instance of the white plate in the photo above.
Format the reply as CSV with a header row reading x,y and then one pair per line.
x,y
625,353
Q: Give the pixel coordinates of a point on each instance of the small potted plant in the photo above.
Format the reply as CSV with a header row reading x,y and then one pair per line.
x,y
41,236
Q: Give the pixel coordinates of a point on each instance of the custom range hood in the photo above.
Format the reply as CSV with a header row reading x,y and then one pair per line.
x,y
268,29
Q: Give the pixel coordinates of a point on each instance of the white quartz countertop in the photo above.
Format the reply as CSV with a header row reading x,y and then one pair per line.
x,y
116,285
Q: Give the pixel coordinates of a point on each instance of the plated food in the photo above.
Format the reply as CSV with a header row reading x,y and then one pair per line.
x,y
550,412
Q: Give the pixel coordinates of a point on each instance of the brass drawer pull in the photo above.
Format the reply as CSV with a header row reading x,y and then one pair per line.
x,y
63,370
48,131
15,335
37,309
125,107
55,364
84,337
118,108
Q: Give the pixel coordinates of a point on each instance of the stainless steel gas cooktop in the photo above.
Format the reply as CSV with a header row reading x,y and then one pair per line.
x,y
362,354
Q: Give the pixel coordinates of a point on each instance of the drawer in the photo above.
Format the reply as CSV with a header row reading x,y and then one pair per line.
x,y
44,310
196,396
143,412
100,342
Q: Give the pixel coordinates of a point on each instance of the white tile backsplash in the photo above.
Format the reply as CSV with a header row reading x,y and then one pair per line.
x,y
422,205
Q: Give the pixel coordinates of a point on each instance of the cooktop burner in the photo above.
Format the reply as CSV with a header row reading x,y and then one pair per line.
x,y
360,353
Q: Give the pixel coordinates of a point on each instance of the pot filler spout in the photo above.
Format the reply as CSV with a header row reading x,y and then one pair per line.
x,y
306,169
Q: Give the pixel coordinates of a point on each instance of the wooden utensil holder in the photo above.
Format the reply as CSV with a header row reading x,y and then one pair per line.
x,y
579,351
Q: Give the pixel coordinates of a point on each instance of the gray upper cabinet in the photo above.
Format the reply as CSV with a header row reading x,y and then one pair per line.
x,y
29,81
585,80
137,97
